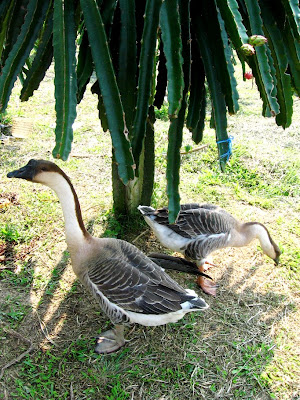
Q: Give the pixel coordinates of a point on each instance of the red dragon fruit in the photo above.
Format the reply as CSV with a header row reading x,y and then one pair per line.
x,y
248,75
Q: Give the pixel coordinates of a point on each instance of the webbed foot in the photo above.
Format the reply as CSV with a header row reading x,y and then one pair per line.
x,y
110,341
207,286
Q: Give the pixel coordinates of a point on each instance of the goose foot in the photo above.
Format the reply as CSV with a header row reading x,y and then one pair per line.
x,y
110,341
207,286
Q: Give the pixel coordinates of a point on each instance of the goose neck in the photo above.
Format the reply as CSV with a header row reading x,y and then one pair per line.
x,y
255,230
74,226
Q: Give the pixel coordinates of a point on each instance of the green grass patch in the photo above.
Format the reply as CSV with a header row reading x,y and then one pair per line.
x,y
13,310
11,233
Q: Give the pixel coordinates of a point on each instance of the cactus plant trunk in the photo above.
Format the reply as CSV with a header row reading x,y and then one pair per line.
x,y
139,190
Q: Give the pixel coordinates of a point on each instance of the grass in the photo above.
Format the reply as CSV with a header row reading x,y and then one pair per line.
x,y
12,310
245,346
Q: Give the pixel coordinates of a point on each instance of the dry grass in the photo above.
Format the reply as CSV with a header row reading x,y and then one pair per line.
x,y
246,346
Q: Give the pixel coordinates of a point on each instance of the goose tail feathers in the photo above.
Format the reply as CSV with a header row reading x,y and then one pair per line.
x,y
146,209
198,303
193,302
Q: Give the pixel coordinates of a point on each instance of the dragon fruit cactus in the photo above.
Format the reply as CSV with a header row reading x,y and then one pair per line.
x,y
248,49
257,40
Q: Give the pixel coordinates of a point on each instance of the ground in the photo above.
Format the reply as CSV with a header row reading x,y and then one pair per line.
x,y
245,346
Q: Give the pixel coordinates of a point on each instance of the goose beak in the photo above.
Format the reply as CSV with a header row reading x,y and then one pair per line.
x,y
26,172
276,260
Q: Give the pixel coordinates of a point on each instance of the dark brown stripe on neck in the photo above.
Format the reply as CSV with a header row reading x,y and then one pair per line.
x,y
77,205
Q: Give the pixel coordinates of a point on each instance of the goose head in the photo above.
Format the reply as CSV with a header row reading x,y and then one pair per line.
x,y
39,171
269,247
273,251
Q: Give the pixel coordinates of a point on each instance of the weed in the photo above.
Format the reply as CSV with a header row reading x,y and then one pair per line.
x,y
117,392
12,311
22,278
113,226
5,118
10,233
40,379
162,113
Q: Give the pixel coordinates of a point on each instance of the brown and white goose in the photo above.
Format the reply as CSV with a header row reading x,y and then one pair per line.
x,y
202,229
129,287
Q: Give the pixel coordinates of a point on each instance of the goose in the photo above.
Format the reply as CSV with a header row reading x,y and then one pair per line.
x,y
128,286
202,229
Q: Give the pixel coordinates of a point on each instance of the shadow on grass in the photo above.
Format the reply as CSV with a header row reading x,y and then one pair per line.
x,y
221,353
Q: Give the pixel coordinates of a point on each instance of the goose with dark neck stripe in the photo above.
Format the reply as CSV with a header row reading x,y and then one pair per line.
x,y
129,287
202,229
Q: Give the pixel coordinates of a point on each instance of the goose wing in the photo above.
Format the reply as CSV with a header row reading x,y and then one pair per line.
x,y
129,279
195,220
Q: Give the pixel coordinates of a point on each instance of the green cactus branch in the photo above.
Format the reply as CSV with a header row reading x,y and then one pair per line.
x,y
144,54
